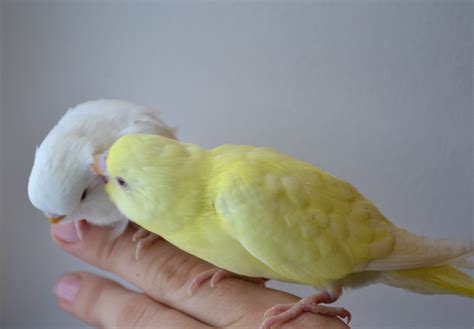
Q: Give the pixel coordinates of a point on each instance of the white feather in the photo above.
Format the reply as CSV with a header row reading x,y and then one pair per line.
x,y
61,169
412,251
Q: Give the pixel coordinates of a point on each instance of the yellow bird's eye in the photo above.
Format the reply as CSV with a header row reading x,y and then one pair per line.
x,y
121,182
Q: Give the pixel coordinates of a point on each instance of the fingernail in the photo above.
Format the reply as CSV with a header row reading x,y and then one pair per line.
x,y
66,232
67,286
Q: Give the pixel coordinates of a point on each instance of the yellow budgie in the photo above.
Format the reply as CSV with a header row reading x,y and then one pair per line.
x,y
262,214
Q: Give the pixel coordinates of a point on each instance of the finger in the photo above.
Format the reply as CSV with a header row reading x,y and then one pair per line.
x,y
105,304
164,272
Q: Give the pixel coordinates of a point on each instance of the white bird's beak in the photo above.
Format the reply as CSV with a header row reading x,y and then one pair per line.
x,y
55,220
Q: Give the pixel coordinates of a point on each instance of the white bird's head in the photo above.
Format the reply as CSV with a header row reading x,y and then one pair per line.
x,y
61,182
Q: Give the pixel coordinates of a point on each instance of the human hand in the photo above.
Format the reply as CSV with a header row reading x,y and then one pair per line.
x,y
164,274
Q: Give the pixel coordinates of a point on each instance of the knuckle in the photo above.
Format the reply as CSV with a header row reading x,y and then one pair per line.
x,y
162,274
109,254
91,309
135,312
170,273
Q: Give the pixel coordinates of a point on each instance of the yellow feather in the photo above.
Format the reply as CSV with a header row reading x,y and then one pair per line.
x,y
435,280
260,213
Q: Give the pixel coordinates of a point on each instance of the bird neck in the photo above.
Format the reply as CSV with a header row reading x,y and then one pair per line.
x,y
178,194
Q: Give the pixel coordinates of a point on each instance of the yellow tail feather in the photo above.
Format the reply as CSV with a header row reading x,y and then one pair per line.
x,y
444,279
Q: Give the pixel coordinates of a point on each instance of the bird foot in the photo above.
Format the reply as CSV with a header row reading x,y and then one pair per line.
x,y
143,238
215,275
281,314
78,225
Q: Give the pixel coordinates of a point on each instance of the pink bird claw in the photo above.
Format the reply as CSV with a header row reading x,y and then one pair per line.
x,y
280,314
139,234
215,275
78,225
277,309
144,239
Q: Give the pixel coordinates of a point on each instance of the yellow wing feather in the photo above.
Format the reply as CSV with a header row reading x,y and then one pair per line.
x,y
298,220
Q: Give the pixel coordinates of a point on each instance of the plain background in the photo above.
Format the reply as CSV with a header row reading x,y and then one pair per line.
x,y
379,94
2,188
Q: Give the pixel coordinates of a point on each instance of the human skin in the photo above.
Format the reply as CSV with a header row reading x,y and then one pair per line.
x,y
163,273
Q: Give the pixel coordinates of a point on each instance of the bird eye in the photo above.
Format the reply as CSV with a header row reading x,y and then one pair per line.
x,y
121,182
84,195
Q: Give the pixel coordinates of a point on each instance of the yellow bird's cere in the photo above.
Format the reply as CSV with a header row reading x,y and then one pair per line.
x,y
259,213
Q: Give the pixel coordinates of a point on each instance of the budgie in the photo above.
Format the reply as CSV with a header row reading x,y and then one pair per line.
x,y
61,184
259,213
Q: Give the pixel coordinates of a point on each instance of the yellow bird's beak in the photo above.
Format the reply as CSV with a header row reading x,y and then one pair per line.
x,y
96,165
55,220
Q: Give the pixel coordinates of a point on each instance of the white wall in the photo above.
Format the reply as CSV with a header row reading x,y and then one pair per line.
x,y
378,94
2,159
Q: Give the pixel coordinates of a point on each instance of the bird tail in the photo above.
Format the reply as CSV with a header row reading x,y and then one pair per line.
x,y
444,279
412,251
427,266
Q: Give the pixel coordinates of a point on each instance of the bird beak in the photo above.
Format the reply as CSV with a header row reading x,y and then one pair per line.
x,y
96,164
55,220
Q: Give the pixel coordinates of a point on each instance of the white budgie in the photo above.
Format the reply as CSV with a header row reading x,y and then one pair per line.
x,y
61,183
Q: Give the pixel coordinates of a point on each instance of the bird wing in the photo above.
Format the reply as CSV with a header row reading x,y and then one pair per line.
x,y
147,122
298,220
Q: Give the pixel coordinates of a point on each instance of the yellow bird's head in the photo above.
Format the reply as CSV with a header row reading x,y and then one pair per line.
x,y
148,175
